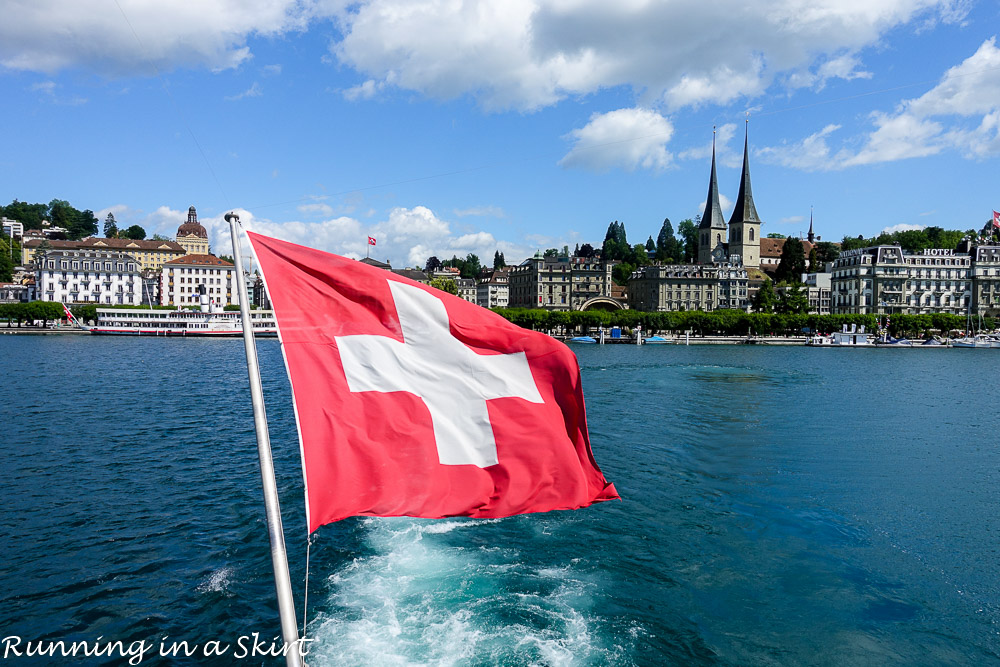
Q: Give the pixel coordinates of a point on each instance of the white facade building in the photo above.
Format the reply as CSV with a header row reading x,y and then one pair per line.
x,y
12,227
89,276
180,279
494,292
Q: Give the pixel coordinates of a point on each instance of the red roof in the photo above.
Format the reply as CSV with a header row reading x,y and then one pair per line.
x,y
198,260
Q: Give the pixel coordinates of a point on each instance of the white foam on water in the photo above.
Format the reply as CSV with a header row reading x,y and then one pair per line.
x,y
217,582
422,599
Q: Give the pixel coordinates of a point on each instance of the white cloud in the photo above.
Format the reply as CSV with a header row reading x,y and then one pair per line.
x,y
271,70
253,91
811,154
484,211
792,219
44,87
49,35
626,138
723,153
528,54
318,209
961,113
901,227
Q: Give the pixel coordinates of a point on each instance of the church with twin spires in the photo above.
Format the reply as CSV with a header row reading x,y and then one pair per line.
x,y
719,242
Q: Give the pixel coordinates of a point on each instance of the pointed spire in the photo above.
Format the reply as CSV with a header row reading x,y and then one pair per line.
x,y
810,236
745,211
713,218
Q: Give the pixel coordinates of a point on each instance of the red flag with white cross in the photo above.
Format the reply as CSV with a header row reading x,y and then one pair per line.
x,y
414,402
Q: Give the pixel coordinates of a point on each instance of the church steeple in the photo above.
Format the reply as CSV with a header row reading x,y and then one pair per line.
x,y
745,211
712,229
744,224
810,236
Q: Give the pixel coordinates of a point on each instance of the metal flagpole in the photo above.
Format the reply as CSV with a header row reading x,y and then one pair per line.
x,y
279,559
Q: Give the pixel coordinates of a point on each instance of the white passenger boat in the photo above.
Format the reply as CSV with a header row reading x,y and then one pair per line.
x,y
854,336
208,321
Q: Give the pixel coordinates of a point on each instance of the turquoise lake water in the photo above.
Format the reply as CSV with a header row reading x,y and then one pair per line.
x,y
781,506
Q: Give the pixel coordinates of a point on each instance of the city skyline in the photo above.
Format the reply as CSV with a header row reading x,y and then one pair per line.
x,y
449,128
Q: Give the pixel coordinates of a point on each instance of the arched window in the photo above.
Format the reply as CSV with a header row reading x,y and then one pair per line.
x,y
751,233
718,238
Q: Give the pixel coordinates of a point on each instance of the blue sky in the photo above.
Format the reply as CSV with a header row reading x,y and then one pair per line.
x,y
448,127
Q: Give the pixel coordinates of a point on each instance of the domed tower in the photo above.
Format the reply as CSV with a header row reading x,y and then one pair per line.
x,y
744,225
712,231
192,235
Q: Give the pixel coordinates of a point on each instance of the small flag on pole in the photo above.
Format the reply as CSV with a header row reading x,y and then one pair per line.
x,y
414,402
371,240
996,219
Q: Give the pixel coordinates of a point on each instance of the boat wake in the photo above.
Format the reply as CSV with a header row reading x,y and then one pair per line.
x,y
427,596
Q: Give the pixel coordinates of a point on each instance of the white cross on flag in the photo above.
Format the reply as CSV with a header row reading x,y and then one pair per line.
x,y
413,402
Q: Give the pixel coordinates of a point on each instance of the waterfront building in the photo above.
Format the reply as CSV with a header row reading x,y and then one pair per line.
x,y
986,280
151,255
181,277
77,275
818,291
377,264
494,291
677,287
887,279
192,235
560,283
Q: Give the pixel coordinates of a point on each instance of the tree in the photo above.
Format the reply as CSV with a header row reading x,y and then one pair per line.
x,y
160,237
135,232
793,299
826,251
550,252
639,256
792,264
616,245
445,285
689,232
471,268
110,226
432,264
813,261
43,248
764,300
498,262
586,250
6,261
776,235
650,246
30,215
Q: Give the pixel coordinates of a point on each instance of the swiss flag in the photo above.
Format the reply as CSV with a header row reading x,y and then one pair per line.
x,y
414,402
996,219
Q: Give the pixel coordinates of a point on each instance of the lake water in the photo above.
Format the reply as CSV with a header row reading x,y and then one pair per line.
x,y
781,506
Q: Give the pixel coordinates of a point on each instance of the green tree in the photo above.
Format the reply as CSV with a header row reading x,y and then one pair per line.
x,y
445,285
793,299
432,264
160,237
551,253
826,251
792,264
110,226
616,245
688,230
135,232
498,261
30,215
814,266
586,250
6,261
764,300
471,268
650,246
776,235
